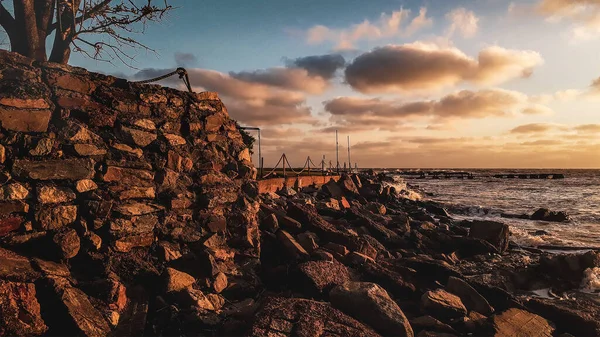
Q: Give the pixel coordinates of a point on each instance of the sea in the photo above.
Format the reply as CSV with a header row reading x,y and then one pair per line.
x,y
487,198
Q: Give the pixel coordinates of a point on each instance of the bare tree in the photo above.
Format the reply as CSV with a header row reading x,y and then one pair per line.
x,y
101,29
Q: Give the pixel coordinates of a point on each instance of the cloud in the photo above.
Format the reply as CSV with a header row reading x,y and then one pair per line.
x,y
388,25
420,66
285,78
588,128
463,21
274,132
185,59
324,66
537,109
584,14
249,102
535,128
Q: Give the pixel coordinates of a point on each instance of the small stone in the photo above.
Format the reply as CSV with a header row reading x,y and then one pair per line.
x,y
55,217
2,154
176,280
25,120
126,244
93,240
170,251
138,137
220,282
129,176
113,318
85,185
88,150
14,191
68,243
174,140
43,147
145,124
245,155
216,300
133,208
126,148
137,193
48,194
442,304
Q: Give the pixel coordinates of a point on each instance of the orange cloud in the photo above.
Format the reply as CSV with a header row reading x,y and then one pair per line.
x,y
463,21
420,66
285,78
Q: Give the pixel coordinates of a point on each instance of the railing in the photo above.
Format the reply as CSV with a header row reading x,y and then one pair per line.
x,y
307,169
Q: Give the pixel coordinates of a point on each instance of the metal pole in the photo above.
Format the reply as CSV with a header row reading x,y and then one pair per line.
x,y
283,164
260,162
308,162
323,165
337,153
349,162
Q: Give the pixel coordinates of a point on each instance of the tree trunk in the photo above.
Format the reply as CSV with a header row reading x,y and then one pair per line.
x,y
65,32
44,13
25,19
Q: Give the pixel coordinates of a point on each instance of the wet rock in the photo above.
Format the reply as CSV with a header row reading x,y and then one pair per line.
x,y
472,300
442,304
20,310
54,217
68,243
220,283
495,233
176,280
318,277
61,169
372,305
544,214
300,317
48,194
291,246
517,322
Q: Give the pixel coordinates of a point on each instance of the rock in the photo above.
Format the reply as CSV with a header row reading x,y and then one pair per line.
x,y
43,147
14,191
472,300
68,243
347,185
376,208
300,317
196,298
286,191
49,218
270,223
145,124
129,176
493,232
578,317
220,283
138,137
544,214
174,140
15,267
517,322
356,258
79,317
442,304
10,224
430,324
318,277
88,150
333,189
128,149
85,185
20,310
10,207
216,300
25,120
372,305
336,248
176,280
127,243
133,208
47,194
138,193
321,255
308,241
93,240
169,251
288,223
60,169
292,247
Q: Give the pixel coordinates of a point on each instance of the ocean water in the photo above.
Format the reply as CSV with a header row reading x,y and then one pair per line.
x,y
488,198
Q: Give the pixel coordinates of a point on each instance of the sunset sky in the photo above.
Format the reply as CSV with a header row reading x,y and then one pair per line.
x,y
437,83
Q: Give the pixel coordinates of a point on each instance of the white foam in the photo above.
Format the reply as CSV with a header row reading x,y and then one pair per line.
x,y
591,280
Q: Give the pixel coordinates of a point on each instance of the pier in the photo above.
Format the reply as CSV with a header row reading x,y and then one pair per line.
x,y
471,175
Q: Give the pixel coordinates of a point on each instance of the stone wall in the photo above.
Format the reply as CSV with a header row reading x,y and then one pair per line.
x,y
105,184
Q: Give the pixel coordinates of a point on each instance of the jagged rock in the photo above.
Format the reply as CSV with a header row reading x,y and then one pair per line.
x,y
25,120
48,194
270,223
372,305
61,169
15,267
544,214
220,282
288,223
569,267
137,193
347,185
43,147
333,189
469,296
138,137
376,208
356,258
20,310
68,243
196,298
85,185
169,251
442,304
93,240
300,317
128,149
129,176
308,241
54,217
176,280
10,224
174,140
430,324
127,243
517,322
493,232
292,247
216,300
579,317
336,248
14,191
318,277
133,208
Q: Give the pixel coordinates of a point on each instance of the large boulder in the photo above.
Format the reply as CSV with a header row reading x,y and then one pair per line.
x,y
301,317
493,232
443,305
544,214
320,276
469,296
371,304
517,322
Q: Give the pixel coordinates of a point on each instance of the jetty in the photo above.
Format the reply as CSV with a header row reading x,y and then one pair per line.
x,y
420,174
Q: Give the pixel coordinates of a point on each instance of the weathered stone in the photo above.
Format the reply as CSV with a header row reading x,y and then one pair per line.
x,y
129,176
336,248
195,298
216,300
376,208
10,224
48,194
169,251
68,243
137,193
372,305
49,218
430,324
127,243
25,120
318,277
472,300
145,124
15,267
71,82
138,225
24,103
49,268
347,185
333,189
495,233
84,319
93,240
220,282
174,140
308,241
356,258
517,322
20,310
442,304
291,246
176,280
88,150
281,317
270,223
138,137
126,148
214,122
71,169
43,147
321,255
85,185
14,191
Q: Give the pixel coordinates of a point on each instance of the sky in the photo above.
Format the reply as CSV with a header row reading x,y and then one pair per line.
x,y
414,84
